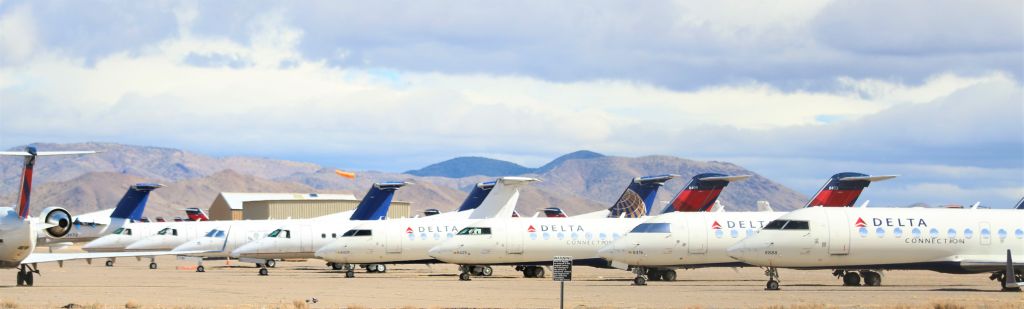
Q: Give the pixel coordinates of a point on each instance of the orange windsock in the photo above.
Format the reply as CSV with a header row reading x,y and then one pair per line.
x,y
349,175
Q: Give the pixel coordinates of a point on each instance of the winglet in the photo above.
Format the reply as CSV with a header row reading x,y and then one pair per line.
x,y
30,155
637,199
477,196
133,203
375,204
702,192
843,189
501,201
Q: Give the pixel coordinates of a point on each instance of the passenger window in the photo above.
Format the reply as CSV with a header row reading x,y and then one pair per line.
x,y
734,233
863,232
916,232
951,233
719,233
323,235
985,233
880,232
897,232
968,233
334,235
1019,233
1002,234
934,232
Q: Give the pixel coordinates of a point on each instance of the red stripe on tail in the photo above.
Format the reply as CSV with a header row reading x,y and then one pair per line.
x,y
695,200
836,198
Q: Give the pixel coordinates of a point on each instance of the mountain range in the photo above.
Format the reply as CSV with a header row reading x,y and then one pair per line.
x,y
578,182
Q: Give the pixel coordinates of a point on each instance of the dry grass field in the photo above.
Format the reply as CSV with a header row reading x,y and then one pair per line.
x,y
130,284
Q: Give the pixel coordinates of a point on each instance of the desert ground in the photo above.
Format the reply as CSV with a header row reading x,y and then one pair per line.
x,y
228,285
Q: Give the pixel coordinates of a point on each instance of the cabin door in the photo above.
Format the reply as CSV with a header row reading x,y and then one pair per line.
x,y
393,240
838,231
698,226
514,234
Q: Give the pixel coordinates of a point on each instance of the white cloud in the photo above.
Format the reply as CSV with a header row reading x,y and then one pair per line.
x,y
17,35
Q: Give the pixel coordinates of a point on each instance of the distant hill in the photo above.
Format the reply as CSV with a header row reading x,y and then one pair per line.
x,y
471,166
578,182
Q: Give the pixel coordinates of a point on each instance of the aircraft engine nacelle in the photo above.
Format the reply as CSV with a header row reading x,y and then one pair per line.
x,y
60,218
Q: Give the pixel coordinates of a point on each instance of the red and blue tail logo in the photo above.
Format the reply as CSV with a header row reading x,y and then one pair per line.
x,y
843,189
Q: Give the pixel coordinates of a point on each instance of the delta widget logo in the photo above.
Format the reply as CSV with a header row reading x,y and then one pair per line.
x,y
716,226
531,229
860,222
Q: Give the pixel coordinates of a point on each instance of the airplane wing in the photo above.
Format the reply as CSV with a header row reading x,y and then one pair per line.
x,y
58,257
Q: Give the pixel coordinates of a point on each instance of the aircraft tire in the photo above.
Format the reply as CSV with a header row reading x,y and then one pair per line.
x,y
871,278
381,268
28,279
486,271
464,276
668,275
336,266
639,280
350,274
851,279
109,263
264,272
21,278
200,269
152,265
538,272
271,263
653,274
772,285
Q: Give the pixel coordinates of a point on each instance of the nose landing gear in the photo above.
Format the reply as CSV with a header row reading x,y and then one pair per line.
x,y
25,274
773,279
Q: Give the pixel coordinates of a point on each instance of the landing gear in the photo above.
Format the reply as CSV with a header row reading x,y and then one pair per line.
x,y
337,266
109,263
25,274
152,265
1000,277
350,273
851,279
871,278
481,271
464,272
641,276
264,271
773,279
200,269
532,271
668,275
271,263
376,268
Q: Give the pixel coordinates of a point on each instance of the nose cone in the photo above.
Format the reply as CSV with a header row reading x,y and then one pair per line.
x,y
149,244
104,244
606,252
202,244
246,250
445,252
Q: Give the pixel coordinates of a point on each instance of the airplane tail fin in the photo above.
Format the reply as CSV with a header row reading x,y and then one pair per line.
x,y
30,155
377,201
133,203
843,189
501,201
196,214
637,199
702,192
477,196
1020,204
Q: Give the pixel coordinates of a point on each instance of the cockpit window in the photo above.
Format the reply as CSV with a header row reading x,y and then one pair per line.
x,y
652,228
281,233
119,230
215,233
167,230
220,234
475,231
775,225
796,225
352,233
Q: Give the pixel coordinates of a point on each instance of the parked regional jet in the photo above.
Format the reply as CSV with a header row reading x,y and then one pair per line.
x,y
406,241
503,241
19,232
958,241
700,239
307,233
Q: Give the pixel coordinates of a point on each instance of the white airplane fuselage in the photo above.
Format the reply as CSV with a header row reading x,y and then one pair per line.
x,y
295,240
945,240
686,239
533,241
405,240
239,233
119,239
19,238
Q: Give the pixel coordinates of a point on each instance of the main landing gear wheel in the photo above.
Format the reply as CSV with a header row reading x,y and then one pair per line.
x,y
264,271
200,269
271,263
851,279
533,272
464,276
486,271
350,273
871,278
152,265
337,266
25,275
109,263
773,279
668,275
653,274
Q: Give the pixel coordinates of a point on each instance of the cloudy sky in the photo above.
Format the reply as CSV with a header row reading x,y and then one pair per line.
x,y
794,90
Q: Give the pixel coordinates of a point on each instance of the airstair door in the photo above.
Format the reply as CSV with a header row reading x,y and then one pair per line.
x,y
514,237
838,231
698,226
393,240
